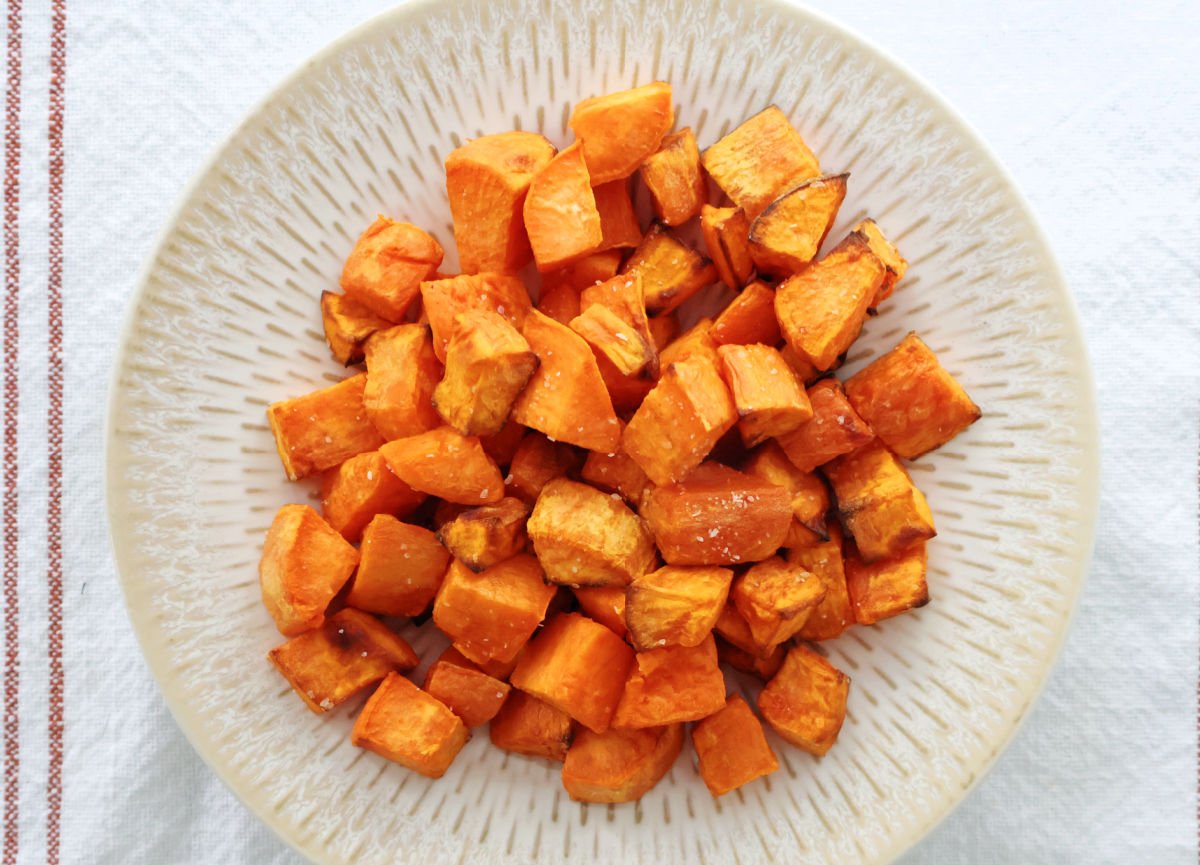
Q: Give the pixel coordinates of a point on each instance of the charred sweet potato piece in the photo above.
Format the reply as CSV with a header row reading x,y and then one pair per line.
x,y
718,516
502,446
675,606
360,488
671,685
620,765
322,429
835,428
760,159
347,325
749,318
538,461
402,372
486,182
385,270
680,420
618,223
878,503
671,270
348,653
910,400
485,536
304,565
618,131
675,179
610,335
616,473
810,497
822,308
770,400
526,725
748,662
584,537
605,604
578,666
400,570
823,560
579,274
421,462
896,264
471,694
560,211
663,329
624,297
886,588
731,748
697,339
786,236
488,364
726,232
404,724
445,299
806,701
566,398
776,597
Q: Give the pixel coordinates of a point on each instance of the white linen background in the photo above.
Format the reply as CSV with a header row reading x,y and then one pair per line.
x,y
1093,106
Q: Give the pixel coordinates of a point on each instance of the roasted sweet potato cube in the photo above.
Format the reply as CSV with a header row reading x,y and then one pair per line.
x,y
776,598
618,221
473,695
443,300
804,370
487,535
538,461
347,325
810,497
561,217
446,464
348,653
822,308
696,340
486,182
402,371
566,399
672,684
671,270
616,473
500,670
760,159
322,429
806,701
561,304
607,333
726,232
404,724
835,428
488,364
749,318
786,236
502,446
718,516
878,503
748,662
605,604
823,560
680,420
663,329
770,399
910,400
735,630
896,264
578,275
304,564
526,725
491,615
584,537
385,270
675,179
731,748
400,570
675,605
625,297
886,588
619,130
619,765
360,488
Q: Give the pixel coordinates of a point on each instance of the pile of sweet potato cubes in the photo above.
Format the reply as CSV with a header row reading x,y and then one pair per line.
x,y
598,510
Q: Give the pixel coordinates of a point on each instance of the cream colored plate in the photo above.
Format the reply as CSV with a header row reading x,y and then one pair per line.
x,y
226,321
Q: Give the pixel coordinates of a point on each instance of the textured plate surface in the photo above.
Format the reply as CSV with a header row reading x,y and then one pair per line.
x,y
226,321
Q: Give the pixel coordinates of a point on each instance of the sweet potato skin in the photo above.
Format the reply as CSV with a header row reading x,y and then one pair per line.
x,y
786,236
888,587
619,765
387,265
619,130
420,462
400,570
408,726
402,371
835,428
671,685
526,725
675,605
361,487
561,217
675,179
731,748
322,429
347,324
806,701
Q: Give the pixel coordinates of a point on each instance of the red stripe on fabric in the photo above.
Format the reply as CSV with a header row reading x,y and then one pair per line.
x,y
54,432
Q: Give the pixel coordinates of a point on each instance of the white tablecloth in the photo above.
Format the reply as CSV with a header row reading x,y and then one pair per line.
x,y
1094,106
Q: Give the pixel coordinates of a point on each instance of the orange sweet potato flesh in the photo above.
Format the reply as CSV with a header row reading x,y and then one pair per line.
x,y
670,685
786,236
471,694
502,446
806,701
566,399
671,270
718,516
748,318
421,462
619,765
610,335
578,275
500,670
835,428
491,615
896,264
360,488
560,211
625,297
748,662
304,565
726,232
347,325
618,131
770,399
348,653
578,666
561,304
485,536
696,340
322,429
675,605
616,473
886,588
910,400
776,597
735,631
536,462
486,182
444,299
810,497
605,604
408,726
385,270
402,371
526,725
675,179
760,159
618,221
400,570
731,748
835,613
